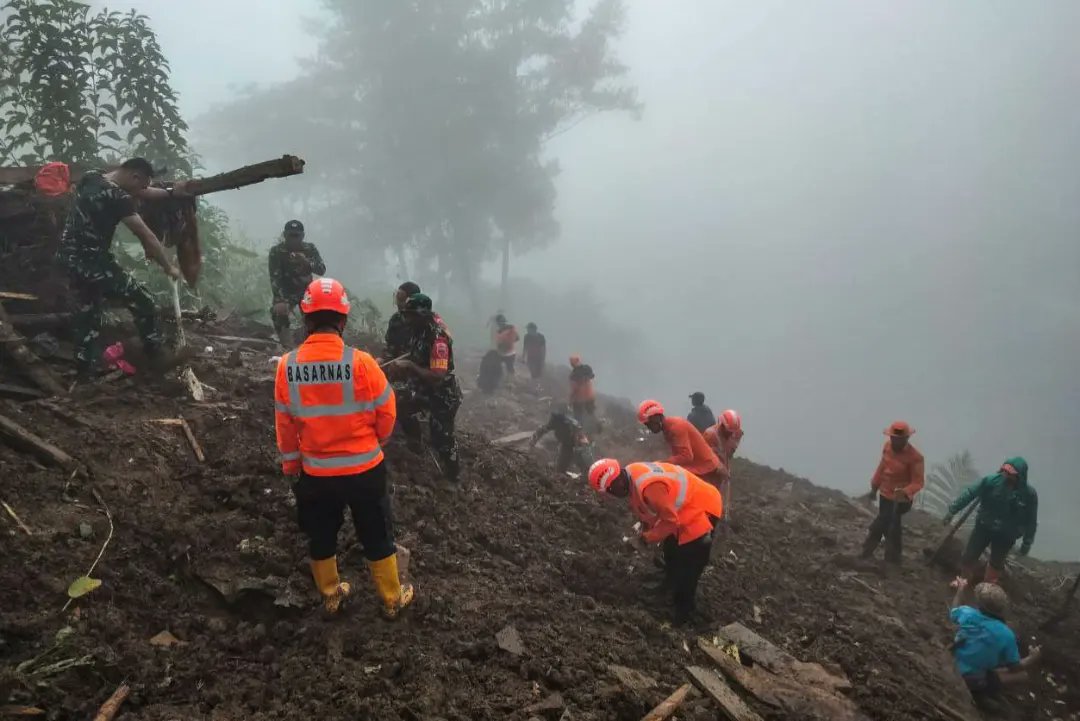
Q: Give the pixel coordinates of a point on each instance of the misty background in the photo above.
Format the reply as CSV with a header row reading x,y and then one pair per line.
x,y
829,216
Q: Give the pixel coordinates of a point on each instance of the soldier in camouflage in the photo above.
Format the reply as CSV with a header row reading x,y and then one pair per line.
x,y
293,263
426,381
398,333
102,200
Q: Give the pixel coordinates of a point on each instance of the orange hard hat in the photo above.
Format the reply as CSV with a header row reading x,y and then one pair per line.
x,y
731,421
899,429
602,473
325,294
575,361
648,409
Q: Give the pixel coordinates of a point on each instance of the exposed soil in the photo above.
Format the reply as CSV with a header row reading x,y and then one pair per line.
x,y
211,553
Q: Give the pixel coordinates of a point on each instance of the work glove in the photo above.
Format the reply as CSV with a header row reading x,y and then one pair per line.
x,y
947,519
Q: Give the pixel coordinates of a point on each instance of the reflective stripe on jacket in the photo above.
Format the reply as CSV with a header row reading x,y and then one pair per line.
x,y
691,504
333,408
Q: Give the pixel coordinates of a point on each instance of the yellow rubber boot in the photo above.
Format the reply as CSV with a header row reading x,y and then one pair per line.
x,y
394,594
332,588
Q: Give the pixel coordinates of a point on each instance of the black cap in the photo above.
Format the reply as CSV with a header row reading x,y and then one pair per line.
x,y
294,226
697,398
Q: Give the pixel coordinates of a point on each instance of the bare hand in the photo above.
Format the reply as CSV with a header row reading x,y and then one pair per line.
x,y
900,495
1035,653
173,272
301,262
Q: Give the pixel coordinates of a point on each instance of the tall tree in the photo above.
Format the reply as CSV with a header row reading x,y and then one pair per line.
x,y
76,86
427,122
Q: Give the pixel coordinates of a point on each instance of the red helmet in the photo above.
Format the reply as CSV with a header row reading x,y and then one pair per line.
x,y
731,421
325,294
648,409
602,473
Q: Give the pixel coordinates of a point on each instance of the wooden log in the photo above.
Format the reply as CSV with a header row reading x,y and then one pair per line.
x,y
667,708
192,441
19,437
731,705
13,346
248,175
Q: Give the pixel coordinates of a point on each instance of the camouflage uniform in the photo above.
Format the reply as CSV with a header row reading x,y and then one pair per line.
x,y
96,277
398,335
574,445
290,277
441,401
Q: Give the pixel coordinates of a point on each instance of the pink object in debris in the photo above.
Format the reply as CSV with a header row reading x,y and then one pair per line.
x,y
114,358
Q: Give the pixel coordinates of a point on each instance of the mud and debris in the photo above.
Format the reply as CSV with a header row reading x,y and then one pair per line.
x,y
209,553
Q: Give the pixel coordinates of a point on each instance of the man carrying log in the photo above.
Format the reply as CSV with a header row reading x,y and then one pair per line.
x,y
899,476
293,265
675,507
1008,510
102,200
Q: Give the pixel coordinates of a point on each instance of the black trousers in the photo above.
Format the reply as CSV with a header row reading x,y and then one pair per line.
x,y
320,510
888,524
981,537
683,566
571,454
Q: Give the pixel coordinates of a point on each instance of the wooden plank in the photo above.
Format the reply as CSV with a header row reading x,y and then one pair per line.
x,y
512,438
764,653
739,674
731,705
19,437
667,708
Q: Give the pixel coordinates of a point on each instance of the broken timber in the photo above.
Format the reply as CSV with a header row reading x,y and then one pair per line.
x,y
780,662
13,346
667,708
19,437
731,705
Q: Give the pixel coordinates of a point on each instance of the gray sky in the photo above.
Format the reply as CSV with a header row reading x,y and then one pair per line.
x,y
833,214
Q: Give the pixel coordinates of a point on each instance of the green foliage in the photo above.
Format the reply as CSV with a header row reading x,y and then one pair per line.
x,y
428,123
946,481
83,88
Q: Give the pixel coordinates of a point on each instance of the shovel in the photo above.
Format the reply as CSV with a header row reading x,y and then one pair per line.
x,y
932,553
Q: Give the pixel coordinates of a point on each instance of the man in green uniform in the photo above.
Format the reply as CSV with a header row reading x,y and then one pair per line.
x,y
428,382
1008,510
102,200
398,332
293,263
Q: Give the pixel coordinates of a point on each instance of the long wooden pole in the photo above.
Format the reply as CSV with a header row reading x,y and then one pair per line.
x,y
952,531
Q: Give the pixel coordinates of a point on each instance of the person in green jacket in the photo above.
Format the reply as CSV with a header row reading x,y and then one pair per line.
x,y
1008,510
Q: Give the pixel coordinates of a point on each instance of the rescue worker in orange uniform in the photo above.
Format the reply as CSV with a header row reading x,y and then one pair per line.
x,y
899,476
688,448
675,507
582,394
723,438
333,411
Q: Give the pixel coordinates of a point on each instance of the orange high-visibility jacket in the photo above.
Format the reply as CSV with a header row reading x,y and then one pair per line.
x,y
333,408
685,505
688,448
899,470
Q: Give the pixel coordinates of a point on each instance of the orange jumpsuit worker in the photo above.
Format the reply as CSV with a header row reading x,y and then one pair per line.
x,y
333,411
582,393
675,507
723,438
688,448
899,476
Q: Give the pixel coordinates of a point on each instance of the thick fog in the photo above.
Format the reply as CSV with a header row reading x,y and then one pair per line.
x,y
830,215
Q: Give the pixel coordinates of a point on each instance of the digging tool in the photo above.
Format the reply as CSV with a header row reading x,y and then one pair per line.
x,y
932,554
180,340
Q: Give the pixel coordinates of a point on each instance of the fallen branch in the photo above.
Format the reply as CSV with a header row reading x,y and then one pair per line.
x,y
19,437
192,441
11,512
281,167
668,706
109,708
108,515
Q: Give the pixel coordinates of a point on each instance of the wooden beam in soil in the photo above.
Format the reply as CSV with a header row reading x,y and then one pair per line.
x,y
730,704
763,652
13,346
22,439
